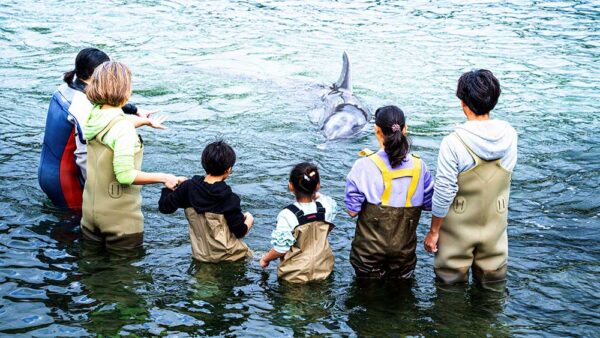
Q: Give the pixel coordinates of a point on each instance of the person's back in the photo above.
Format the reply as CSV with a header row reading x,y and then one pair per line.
x,y
387,190
300,238
216,221
472,188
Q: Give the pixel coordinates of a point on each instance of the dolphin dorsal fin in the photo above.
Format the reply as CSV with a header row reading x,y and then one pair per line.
x,y
344,82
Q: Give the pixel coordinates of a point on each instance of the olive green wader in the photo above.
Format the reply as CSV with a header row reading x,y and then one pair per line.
x,y
474,231
310,258
212,242
386,239
112,212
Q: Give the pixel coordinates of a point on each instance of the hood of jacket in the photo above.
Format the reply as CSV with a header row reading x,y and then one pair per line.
x,y
489,139
209,197
98,120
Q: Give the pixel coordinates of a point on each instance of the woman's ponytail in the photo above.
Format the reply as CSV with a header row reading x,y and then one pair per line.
x,y
391,121
69,76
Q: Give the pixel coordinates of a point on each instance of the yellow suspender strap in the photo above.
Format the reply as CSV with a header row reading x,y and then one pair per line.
x,y
416,175
389,175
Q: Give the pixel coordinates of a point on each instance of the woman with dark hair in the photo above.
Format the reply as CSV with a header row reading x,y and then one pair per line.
x,y
62,169
387,190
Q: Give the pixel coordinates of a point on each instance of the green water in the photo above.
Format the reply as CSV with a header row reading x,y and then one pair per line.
x,y
250,72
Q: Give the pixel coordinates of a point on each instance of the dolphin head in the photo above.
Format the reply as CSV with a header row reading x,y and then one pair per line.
x,y
347,120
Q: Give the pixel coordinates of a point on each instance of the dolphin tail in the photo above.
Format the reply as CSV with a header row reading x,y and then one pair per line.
x,y
344,82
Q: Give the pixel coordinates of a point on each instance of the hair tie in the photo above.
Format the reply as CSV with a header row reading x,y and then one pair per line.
x,y
395,127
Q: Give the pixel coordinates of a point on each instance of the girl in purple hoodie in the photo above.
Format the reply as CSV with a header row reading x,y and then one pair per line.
x,y
387,190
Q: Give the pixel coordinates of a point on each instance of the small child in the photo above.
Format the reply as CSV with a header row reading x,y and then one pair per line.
x,y
300,237
387,191
216,221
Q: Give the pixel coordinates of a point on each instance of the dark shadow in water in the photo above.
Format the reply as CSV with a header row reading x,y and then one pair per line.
x,y
219,295
468,310
378,308
110,285
305,308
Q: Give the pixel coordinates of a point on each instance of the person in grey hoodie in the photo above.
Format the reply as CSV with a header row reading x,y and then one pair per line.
x,y
470,201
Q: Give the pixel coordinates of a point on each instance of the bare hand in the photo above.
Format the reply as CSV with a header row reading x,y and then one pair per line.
x,y
181,179
431,241
157,122
143,113
263,263
248,217
171,181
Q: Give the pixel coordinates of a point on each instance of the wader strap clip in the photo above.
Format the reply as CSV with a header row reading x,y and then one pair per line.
x,y
389,175
303,219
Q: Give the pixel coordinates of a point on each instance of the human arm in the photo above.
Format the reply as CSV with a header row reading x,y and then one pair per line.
x,y
156,123
432,237
353,197
269,256
446,180
171,200
236,220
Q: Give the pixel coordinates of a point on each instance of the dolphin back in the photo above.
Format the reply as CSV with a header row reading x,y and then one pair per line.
x,y
344,81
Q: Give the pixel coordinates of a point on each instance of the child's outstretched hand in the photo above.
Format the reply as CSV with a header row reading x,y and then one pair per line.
x,y
156,122
143,113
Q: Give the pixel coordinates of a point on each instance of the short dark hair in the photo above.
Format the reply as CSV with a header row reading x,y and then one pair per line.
x,y
304,178
217,157
479,90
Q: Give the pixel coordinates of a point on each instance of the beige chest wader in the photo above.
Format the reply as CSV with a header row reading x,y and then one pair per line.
x,y
112,212
212,242
386,239
310,258
474,231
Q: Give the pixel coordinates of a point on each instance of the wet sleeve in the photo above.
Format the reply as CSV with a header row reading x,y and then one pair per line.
x,y
235,218
428,187
122,138
446,180
171,200
282,237
353,197
129,109
330,206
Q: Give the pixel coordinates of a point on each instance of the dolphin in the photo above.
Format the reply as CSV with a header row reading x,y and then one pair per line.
x,y
342,115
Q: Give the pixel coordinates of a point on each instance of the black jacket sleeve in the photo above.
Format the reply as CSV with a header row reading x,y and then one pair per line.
x,y
235,218
172,200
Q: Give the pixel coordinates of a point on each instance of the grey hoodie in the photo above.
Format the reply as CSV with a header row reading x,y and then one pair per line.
x,y
490,140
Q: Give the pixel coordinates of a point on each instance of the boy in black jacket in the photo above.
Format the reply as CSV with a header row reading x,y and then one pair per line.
x,y
210,195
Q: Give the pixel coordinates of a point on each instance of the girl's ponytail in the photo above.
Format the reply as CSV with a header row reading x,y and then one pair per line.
x,y
305,179
391,121
69,76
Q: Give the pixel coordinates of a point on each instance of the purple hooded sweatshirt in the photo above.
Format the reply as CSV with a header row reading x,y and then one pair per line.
x,y
365,182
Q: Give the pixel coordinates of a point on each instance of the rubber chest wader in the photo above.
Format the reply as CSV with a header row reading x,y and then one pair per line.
x,y
474,231
310,258
212,242
112,212
386,239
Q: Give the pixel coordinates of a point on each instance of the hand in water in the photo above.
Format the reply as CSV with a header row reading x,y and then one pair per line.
x,y
263,263
145,114
431,241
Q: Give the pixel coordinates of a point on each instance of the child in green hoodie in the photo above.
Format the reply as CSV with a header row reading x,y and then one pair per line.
x,y
112,200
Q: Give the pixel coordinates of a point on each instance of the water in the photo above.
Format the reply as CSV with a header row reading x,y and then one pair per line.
x,y
249,72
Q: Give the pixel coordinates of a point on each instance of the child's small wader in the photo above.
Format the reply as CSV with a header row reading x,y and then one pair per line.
x,y
211,239
310,258
474,231
385,239
112,212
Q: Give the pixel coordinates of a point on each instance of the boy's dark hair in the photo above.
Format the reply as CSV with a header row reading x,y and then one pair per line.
x,y
391,121
304,178
479,90
86,61
217,157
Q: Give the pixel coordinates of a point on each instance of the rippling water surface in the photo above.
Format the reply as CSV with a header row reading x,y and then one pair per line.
x,y
249,72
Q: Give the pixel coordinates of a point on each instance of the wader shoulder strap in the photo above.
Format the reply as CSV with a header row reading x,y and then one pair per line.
x,y
476,158
303,219
388,175
106,129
